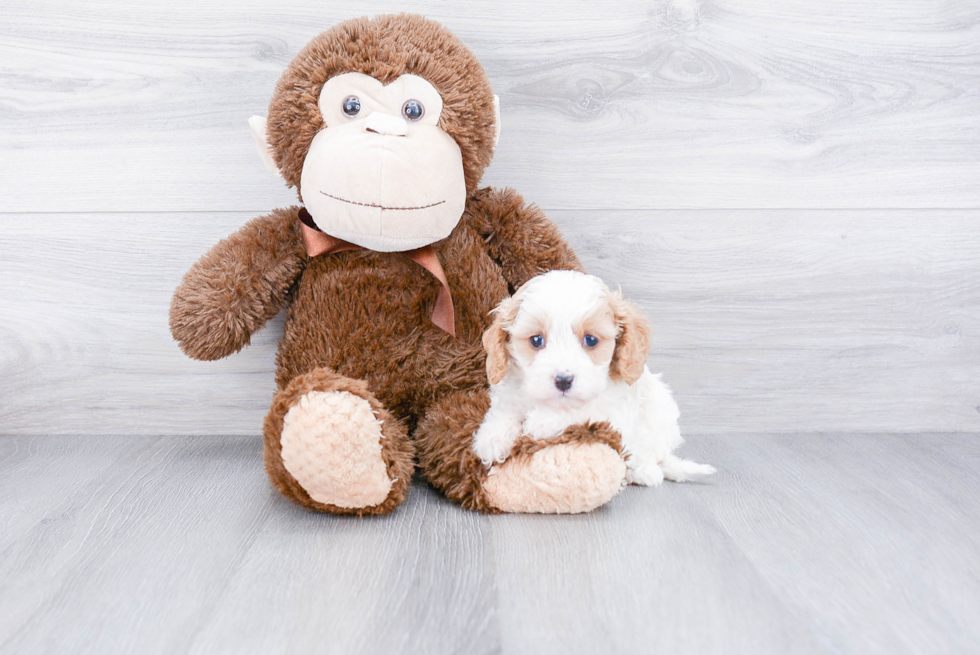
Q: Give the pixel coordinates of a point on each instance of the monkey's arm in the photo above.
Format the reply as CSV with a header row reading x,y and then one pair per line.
x,y
519,236
236,287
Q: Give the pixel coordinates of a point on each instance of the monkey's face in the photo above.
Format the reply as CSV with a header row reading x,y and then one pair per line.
x,y
385,125
381,173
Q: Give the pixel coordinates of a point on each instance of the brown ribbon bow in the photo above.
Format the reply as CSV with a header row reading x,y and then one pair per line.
x,y
319,242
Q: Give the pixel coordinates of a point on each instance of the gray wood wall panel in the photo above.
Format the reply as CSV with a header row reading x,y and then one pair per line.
x,y
809,320
641,128
789,189
666,104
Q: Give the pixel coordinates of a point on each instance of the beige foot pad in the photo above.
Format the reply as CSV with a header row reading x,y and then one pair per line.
x,y
563,479
331,444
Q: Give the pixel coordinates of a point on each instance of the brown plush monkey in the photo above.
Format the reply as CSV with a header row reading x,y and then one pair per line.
x,y
388,273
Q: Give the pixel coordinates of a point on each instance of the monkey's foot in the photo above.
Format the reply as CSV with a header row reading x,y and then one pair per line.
x,y
569,476
331,444
576,471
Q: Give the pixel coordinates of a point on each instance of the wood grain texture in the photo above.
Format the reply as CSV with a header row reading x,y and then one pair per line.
x,y
665,104
764,321
800,544
767,320
843,297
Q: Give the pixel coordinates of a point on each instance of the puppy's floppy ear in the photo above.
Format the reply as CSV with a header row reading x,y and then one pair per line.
x,y
632,342
495,338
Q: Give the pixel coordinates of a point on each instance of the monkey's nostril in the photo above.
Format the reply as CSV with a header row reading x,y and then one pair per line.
x,y
564,382
386,124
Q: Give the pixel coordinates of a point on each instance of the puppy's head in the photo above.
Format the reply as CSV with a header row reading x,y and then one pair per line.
x,y
564,335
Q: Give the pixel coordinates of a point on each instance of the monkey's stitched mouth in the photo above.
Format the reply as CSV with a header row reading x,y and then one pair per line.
x,y
370,204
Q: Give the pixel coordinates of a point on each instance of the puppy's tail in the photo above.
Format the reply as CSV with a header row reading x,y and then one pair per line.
x,y
679,470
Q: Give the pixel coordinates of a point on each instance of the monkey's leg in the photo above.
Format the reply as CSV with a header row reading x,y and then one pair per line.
x,y
574,472
330,445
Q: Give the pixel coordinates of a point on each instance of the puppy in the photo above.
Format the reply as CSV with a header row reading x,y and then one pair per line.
x,y
564,350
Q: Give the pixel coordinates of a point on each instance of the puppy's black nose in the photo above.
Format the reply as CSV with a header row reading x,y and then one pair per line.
x,y
564,382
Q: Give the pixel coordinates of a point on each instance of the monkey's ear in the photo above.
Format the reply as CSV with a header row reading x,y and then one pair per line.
x,y
257,123
496,120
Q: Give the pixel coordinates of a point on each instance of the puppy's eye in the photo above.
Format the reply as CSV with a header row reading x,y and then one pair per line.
x,y
352,105
537,341
590,341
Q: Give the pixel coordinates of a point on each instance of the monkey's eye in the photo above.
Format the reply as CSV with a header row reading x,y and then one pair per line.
x,y
413,110
590,341
537,341
352,105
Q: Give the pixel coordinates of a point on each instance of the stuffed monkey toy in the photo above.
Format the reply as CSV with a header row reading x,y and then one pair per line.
x,y
388,272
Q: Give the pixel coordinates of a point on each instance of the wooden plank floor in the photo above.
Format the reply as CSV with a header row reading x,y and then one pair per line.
x,y
818,543
788,189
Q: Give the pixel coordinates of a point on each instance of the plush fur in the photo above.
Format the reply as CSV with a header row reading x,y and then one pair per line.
x,y
397,450
566,350
237,286
445,448
384,47
359,321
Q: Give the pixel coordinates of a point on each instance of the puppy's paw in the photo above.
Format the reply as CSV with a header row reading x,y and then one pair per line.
x,y
493,446
647,475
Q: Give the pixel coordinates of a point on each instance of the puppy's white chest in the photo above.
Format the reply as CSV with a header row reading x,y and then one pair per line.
x,y
617,405
545,422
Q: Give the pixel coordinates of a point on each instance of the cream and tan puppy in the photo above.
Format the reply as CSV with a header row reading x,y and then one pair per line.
x,y
564,350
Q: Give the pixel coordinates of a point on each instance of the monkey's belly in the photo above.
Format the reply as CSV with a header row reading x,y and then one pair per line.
x,y
370,318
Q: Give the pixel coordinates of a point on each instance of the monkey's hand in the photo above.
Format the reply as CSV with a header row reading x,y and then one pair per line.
x,y
519,236
241,283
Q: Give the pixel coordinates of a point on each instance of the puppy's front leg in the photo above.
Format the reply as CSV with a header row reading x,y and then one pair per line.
x,y
495,437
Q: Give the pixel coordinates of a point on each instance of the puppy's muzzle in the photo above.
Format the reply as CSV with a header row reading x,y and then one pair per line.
x,y
564,382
